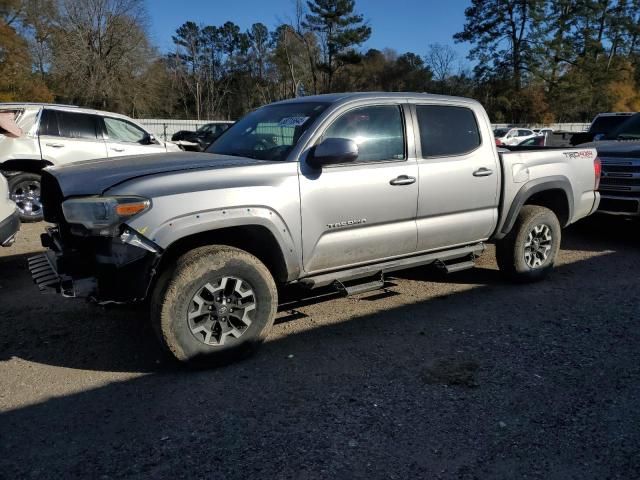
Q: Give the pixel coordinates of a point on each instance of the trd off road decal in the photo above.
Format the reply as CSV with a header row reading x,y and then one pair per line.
x,y
580,154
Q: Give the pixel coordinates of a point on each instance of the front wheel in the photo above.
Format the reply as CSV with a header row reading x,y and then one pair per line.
x,y
528,252
24,190
217,305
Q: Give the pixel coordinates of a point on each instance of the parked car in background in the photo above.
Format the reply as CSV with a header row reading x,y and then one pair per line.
x,y
537,141
324,190
199,140
60,135
620,155
602,125
9,217
543,131
512,136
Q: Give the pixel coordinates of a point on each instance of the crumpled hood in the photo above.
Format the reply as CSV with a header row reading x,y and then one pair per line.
x,y
93,177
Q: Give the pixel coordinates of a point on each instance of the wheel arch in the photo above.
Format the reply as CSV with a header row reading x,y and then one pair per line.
x,y
24,166
255,239
554,193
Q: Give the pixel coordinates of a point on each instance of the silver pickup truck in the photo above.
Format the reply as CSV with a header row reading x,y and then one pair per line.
x,y
332,190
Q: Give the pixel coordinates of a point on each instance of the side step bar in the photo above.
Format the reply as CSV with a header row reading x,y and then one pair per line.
x,y
365,271
456,267
356,288
43,273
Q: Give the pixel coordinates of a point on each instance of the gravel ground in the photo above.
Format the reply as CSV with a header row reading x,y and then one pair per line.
x,y
459,376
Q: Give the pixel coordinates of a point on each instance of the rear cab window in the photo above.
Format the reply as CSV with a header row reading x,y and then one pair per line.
x,y
447,130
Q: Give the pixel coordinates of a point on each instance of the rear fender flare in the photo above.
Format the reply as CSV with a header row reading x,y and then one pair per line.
x,y
529,189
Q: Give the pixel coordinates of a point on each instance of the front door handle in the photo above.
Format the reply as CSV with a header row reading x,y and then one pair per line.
x,y
403,180
483,172
118,149
55,145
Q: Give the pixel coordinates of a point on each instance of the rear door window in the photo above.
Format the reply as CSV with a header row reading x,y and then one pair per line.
x,y
77,125
447,130
68,125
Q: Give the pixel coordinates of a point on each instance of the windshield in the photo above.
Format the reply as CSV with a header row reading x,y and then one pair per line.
x,y
500,132
268,133
207,127
629,130
607,123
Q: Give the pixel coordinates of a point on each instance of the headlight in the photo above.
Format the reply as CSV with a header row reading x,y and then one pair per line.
x,y
102,214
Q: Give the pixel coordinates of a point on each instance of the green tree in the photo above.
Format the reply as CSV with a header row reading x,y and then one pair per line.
x,y
17,80
339,30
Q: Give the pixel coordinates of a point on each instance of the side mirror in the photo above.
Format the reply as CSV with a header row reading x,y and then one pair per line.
x,y
148,139
332,151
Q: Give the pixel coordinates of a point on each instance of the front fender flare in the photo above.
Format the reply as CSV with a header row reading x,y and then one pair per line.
x,y
207,221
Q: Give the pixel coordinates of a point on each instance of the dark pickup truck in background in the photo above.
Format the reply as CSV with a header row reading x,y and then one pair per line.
x,y
602,125
199,140
619,152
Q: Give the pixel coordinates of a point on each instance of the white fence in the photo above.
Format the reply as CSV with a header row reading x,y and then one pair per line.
x,y
164,128
556,127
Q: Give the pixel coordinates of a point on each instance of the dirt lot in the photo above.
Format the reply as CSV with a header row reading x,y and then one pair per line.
x,y
460,376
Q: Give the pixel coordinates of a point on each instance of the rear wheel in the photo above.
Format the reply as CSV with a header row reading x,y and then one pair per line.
x,y
216,306
528,252
24,190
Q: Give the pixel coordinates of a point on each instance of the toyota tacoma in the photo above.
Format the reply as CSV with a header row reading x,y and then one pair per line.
x,y
332,190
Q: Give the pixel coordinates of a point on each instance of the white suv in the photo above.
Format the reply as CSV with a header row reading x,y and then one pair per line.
x,y
512,136
9,221
58,135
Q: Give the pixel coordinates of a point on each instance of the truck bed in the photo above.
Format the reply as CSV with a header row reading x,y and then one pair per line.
x,y
571,171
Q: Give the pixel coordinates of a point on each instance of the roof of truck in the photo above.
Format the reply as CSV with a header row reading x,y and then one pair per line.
x,y
349,96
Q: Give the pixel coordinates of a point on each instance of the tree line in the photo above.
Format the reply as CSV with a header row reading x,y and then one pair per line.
x,y
531,61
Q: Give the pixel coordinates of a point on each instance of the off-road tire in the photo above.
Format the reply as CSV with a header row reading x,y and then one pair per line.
x,y
172,299
22,179
510,251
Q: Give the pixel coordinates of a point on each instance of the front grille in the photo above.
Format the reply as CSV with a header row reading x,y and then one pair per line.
x,y
620,176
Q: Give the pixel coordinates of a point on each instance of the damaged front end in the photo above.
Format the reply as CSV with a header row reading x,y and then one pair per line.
x,y
97,256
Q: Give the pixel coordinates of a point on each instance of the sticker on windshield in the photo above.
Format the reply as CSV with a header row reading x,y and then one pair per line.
x,y
292,121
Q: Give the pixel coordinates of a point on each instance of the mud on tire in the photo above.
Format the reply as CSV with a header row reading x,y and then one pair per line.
x,y
216,306
528,252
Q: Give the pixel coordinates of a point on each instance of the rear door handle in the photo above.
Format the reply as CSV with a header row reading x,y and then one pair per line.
x,y
118,149
55,145
483,172
403,180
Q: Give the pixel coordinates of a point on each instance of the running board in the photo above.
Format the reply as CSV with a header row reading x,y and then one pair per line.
x,y
456,267
355,273
363,287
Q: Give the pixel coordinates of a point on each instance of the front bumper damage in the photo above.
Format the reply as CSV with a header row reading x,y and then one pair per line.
x,y
118,269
